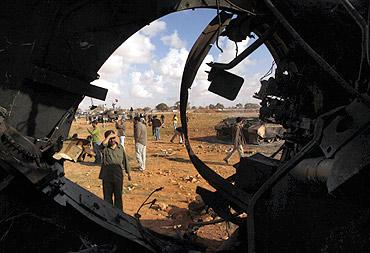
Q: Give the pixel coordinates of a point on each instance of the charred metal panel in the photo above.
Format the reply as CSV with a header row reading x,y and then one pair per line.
x,y
253,171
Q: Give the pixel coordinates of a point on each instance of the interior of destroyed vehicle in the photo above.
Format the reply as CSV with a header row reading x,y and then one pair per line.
x,y
312,198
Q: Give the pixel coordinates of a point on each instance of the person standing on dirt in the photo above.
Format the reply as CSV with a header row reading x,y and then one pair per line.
x,y
111,172
174,121
162,120
238,140
178,132
140,136
95,134
156,124
121,130
131,113
150,118
151,123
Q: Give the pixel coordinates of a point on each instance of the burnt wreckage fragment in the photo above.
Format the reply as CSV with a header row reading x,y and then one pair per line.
x,y
313,199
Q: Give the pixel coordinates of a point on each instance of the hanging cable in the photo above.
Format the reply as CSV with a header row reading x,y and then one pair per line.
x,y
269,72
240,8
220,25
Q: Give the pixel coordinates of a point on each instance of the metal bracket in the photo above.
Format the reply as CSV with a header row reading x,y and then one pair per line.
x,y
344,127
66,83
249,50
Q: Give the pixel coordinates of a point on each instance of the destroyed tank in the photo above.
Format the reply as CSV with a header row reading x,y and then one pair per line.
x,y
254,130
101,116
314,198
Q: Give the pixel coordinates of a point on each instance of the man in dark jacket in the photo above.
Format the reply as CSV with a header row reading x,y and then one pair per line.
x,y
114,162
157,127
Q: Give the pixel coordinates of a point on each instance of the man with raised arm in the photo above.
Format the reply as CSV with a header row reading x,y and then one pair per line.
x,y
111,173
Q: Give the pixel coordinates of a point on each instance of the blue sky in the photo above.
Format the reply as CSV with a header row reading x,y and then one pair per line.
x,y
146,70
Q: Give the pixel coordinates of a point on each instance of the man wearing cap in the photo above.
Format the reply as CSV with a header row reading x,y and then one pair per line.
x,y
111,173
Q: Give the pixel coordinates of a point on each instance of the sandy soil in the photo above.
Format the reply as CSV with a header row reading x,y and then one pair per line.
x,y
168,166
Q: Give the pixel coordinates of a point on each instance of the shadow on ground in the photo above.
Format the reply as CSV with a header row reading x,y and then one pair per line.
x,y
184,160
211,139
89,164
176,224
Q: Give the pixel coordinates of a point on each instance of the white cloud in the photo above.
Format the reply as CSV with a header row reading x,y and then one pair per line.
x,y
138,89
172,65
173,41
138,49
154,28
137,77
112,68
251,85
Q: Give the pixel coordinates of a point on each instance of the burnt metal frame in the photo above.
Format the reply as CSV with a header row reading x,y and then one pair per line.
x,y
310,51
282,171
248,51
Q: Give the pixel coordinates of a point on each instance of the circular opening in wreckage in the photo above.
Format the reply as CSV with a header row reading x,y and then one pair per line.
x,y
144,74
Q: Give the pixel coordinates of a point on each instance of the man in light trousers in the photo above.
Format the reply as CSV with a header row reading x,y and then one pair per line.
x,y
238,140
140,136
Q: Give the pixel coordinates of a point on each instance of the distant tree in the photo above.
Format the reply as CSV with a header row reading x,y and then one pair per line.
x,y
147,109
193,107
239,106
162,107
219,106
211,106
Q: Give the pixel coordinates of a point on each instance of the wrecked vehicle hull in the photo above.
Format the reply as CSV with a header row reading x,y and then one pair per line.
x,y
314,199
299,202
254,131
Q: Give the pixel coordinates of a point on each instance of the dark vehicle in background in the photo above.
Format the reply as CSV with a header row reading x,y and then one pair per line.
x,y
255,131
104,116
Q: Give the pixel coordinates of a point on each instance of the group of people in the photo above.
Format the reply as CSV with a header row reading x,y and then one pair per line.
x,y
111,154
157,124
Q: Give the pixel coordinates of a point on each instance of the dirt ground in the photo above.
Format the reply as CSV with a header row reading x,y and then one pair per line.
x,y
168,166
